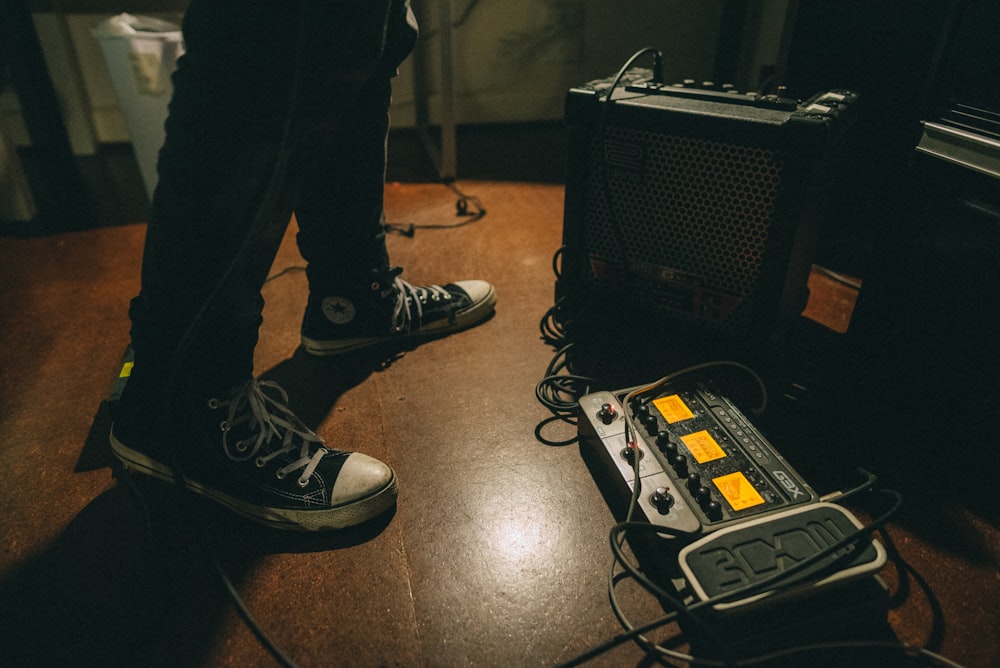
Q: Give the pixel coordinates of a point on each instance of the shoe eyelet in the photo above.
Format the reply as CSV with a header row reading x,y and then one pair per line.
x,y
213,403
241,446
303,482
280,474
260,462
224,426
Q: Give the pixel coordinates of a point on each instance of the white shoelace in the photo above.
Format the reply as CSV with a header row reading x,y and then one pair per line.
x,y
268,419
409,307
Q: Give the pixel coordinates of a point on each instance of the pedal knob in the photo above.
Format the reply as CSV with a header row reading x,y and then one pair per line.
x,y
680,464
694,482
714,510
662,500
666,444
652,424
607,414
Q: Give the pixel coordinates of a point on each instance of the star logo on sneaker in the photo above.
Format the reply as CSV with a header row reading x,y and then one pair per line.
x,y
338,310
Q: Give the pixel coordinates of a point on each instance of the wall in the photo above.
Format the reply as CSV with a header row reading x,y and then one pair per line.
x,y
513,59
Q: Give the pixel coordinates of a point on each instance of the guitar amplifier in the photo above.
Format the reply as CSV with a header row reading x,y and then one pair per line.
x,y
693,202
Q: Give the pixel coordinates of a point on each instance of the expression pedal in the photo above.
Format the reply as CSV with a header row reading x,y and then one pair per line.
x,y
736,513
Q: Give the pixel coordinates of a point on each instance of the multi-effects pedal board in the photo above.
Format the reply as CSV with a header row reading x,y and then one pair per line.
x,y
730,509
734,528
702,464
759,562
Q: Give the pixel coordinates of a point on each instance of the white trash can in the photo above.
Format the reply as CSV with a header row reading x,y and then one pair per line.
x,y
141,53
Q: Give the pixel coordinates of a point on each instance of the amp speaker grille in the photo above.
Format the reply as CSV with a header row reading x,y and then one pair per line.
x,y
673,211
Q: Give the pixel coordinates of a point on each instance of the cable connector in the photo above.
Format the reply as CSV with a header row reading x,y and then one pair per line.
x,y
658,66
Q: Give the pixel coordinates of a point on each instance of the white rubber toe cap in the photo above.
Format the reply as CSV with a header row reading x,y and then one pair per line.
x,y
361,477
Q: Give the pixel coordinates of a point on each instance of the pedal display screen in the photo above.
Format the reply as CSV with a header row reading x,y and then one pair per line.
x,y
702,446
717,457
738,491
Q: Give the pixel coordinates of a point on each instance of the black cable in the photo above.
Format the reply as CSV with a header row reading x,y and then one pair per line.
x,y
906,571
560,389
286,270
244,612
553,323
602,129
467,206
547,441
759,410
837,277
551,326
867,485
751,589
615,641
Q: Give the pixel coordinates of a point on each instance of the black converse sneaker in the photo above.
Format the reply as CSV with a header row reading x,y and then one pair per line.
x,y
391,308
256,457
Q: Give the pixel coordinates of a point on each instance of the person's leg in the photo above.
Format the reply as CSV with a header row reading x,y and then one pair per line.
x,y
224,135
339,210
243,114
356,299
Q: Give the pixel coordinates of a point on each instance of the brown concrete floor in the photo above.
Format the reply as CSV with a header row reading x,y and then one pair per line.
x,y
497,554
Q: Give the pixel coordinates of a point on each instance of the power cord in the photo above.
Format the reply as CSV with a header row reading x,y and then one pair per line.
x,y
559,391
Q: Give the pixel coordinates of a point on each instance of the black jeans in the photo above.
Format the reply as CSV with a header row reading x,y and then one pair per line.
x,y
278,106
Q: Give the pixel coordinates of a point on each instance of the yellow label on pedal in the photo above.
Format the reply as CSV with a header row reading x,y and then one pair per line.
x,y
702,446
673,409
738,491
126,370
